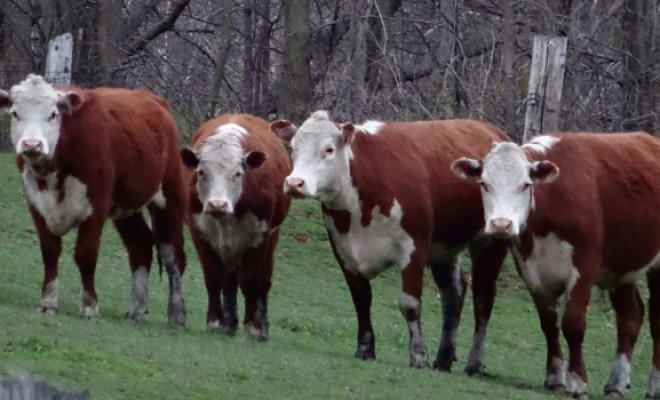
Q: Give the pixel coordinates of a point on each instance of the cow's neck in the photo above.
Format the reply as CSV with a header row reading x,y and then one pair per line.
x,y
346,197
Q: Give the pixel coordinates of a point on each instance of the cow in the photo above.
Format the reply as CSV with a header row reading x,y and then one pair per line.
x,y
595,224
86,155
388,197
236,169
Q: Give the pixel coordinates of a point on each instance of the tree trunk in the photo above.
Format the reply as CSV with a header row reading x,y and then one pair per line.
x,y
223,44
638,87
508,42
109,55
295,97
357,63
248,56
378,73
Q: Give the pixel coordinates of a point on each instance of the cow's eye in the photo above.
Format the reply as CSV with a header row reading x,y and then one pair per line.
x,y
329,150
14,114
484,186
238,174
53,115
525,186
200,173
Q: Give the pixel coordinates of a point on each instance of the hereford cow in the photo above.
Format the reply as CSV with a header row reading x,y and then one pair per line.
x,y
89,155
595,224
388,197
236,207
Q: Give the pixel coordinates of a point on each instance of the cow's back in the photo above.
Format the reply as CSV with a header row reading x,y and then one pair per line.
x,y
604,197
412,166
129,136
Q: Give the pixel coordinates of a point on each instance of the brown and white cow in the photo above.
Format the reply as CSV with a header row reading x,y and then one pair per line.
x,y
89,155
388,197
236,208
595,224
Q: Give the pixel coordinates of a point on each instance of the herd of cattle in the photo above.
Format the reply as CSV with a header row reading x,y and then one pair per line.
x,y
392,193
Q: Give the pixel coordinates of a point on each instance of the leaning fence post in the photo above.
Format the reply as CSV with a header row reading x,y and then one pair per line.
x,y
58,60
543,102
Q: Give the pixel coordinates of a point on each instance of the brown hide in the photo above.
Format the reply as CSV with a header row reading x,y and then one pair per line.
x,y
409,162
262,196
600,202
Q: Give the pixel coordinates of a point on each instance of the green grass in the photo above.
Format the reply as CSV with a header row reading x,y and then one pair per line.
x,y
313,326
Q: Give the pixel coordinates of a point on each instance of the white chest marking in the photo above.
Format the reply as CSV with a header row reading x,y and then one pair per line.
x,y
369,250
549,270
61,212
231,236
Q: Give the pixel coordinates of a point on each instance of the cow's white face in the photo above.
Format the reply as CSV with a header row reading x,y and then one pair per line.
x,y
321,152
506,178
221,165
36,110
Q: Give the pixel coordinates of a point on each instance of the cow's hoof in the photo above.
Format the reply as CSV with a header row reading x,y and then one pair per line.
x,y
418,361
255,333
176,315
134,316
365,352
445,359
556,388
47,310
475,369
89,312
219,328
613,394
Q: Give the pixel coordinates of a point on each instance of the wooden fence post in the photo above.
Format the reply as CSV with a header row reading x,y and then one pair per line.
x,y
545,85
58,60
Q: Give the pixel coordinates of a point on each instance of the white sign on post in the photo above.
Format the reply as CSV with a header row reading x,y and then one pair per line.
x,y
58,60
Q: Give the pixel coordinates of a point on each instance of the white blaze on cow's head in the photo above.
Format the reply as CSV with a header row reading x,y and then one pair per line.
x,y
506,178
221,165
36,110
321,152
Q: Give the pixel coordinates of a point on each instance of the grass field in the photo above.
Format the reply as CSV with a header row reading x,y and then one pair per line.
x,y
313,327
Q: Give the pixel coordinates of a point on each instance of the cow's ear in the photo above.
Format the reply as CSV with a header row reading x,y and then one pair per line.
x,y
543,171
254,159
347,133
284,129
467,168
189,157
69,102
5,101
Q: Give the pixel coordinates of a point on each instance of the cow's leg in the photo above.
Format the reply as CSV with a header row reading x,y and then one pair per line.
x,y
213,270
229,295
574,326
410,304
555,368
255,281
360,289
452,282
629,310
487,256
86,256
653,388
51,248
138,240
167,225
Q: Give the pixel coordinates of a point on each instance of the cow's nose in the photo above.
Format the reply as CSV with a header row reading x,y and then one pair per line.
x,y
32,146
501,226
217,207
294,185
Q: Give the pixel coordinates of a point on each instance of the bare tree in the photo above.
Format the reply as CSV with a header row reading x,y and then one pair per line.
x,y
296,91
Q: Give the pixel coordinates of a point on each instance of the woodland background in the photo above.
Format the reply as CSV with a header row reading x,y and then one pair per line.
x,y
385,59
